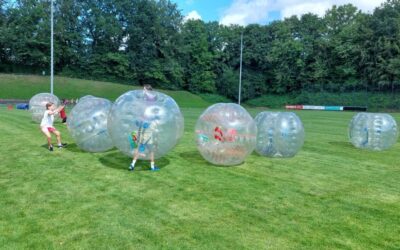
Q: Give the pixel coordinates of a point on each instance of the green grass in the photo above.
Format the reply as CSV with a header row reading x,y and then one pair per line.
x,y
372,100
330,196
25,86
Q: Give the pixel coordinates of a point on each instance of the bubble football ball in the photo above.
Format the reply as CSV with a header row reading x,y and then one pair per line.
x,y
279,134
145,122
226,134
37,105
373,131
87,124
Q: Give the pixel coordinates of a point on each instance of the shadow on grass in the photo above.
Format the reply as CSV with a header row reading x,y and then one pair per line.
x,y
120,161
194,157
341,144
54,146
73,148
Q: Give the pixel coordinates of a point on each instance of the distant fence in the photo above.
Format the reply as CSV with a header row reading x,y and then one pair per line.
x,y
326,108
13,101
17,101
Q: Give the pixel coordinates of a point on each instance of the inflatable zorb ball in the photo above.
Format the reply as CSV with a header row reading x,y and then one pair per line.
x,y
373,131
145,122
85,97
87,124
279,134
37,105
225,134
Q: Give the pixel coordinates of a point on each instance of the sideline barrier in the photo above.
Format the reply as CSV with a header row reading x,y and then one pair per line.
x,y
24,106
13,101
326,108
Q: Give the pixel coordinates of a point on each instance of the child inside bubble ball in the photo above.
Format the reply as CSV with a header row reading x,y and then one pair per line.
x,y
143,140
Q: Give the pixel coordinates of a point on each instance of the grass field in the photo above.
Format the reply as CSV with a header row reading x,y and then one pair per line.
x,y
330,196
25,86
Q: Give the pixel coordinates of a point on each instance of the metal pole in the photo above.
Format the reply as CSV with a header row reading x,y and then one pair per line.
x,y
52,51
240,73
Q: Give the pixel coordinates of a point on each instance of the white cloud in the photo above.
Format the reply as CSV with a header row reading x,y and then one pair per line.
x,y
303,8
319,7
244,12
193,15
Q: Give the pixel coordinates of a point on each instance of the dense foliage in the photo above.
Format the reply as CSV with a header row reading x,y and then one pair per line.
x,y
147,41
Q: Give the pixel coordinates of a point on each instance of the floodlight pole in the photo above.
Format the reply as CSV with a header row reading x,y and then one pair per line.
x,y
52,50
240,72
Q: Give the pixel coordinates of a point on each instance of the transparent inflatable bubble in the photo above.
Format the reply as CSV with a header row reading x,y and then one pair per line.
x,y
85,97
225,134
146,122
373,131
37,105
87,124
280,134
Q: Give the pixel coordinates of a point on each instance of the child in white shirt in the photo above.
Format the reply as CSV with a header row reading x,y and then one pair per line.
x,y
46,125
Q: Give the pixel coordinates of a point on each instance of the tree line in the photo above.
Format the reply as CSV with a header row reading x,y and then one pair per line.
x,y
148,41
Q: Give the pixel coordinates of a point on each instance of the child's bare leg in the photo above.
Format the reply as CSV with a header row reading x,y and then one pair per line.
x,y
152,156
48,136
48,140
136,154
135,157
152,160
58,135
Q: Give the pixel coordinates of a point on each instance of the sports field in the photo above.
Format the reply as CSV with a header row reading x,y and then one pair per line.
x,y
329,196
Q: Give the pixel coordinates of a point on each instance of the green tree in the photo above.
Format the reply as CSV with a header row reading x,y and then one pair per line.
x,y
146,41
199,76
311,30
68,36
153,42
386,26
102,36
342,26
285,56
3,20
26,32
255,63
366,61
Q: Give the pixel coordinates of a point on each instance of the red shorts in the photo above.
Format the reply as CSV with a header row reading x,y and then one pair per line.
x,y
51,129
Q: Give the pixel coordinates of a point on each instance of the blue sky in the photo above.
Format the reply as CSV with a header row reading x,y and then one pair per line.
x,y
244,12
210,10
214,10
